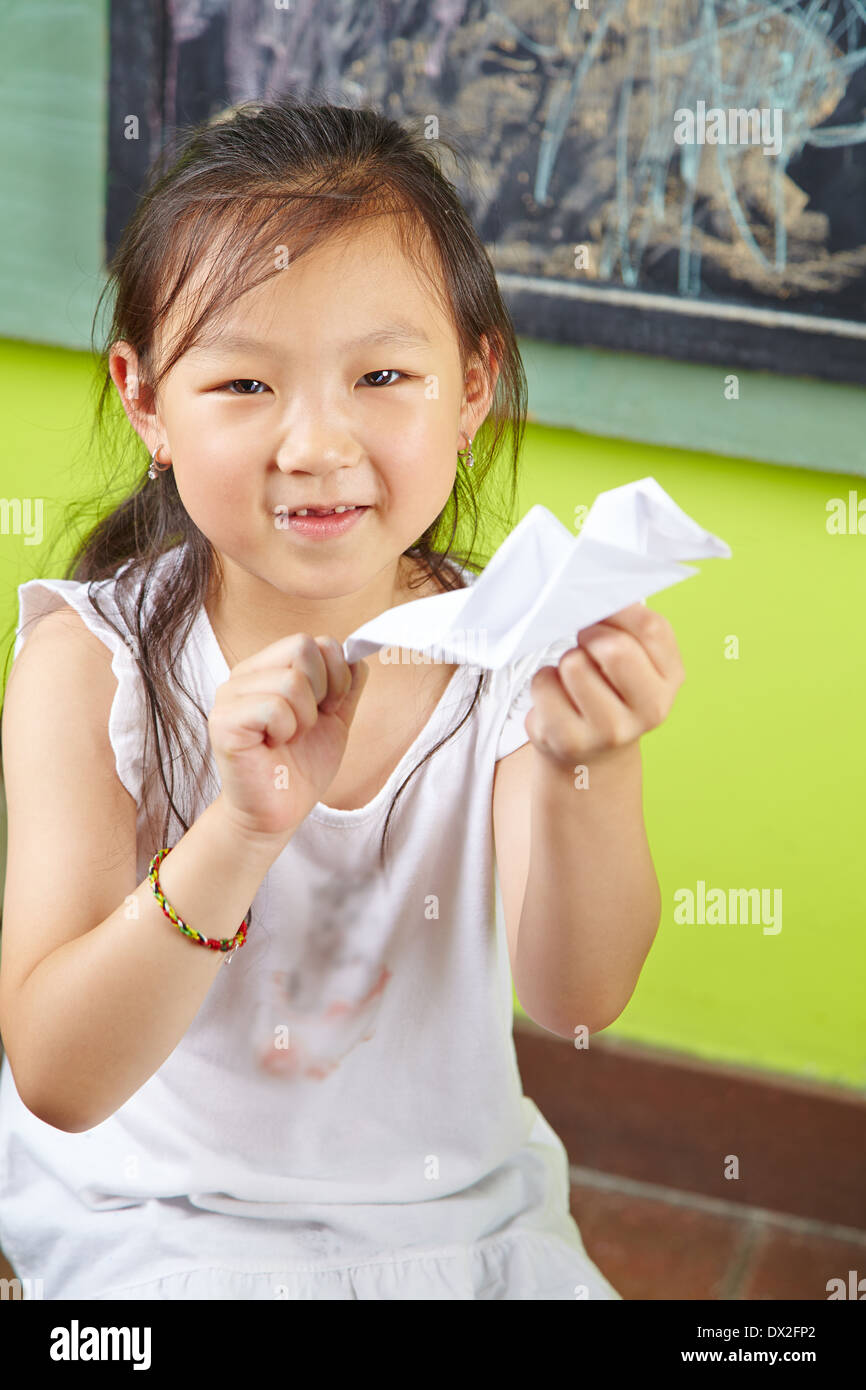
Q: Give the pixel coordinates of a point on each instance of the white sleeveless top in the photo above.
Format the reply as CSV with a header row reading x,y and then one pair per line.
x,y
344,1118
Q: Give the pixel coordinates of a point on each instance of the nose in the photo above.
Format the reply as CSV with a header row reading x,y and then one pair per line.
x,y
316,444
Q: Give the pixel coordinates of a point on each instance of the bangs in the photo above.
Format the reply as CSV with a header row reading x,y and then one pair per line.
x,y
224,252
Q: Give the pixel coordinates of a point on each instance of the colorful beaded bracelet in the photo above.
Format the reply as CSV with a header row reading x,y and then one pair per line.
x,y
227,943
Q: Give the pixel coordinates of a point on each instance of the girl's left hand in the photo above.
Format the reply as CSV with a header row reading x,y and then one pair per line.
x,y
619,683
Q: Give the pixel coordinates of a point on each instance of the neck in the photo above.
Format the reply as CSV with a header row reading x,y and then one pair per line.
x,y
247,614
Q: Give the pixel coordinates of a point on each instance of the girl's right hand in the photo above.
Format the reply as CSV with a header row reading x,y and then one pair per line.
x,y
279,728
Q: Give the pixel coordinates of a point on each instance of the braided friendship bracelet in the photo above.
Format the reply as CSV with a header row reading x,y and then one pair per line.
x,y
227,943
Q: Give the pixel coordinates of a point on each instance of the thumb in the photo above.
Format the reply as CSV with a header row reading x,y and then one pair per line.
x,y
360,674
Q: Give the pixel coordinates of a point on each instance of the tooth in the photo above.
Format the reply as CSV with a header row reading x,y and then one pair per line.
x,y
306,511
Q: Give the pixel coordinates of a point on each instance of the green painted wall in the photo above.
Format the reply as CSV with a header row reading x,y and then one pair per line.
x,y
756,779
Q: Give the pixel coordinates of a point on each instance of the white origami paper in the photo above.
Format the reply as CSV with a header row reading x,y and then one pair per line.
x,y
544,584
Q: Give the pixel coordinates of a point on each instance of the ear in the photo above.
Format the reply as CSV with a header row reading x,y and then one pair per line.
x,y
136,396
481,379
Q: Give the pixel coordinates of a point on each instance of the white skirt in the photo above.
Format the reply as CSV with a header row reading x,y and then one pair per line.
x,y
522,1265
509,1236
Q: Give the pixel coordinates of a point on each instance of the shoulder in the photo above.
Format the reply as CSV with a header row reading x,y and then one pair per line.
x,y
89,610
56,729
62,641
62,654
63,632
65,625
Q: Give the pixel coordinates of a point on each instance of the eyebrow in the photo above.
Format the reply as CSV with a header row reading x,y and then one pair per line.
x,y
394,334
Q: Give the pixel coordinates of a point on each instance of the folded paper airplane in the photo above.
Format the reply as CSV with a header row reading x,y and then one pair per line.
x,y
544,584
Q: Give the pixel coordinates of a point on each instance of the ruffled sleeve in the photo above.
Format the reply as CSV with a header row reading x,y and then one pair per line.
x,y
515,680
126,725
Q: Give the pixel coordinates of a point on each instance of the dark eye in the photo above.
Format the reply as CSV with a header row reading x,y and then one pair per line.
x,y
384,371
244,381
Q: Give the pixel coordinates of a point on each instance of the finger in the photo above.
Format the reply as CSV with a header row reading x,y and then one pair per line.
x,y
287,682
598,702
283,718
346,710
298,649
270,690
286,707
652,631
553,711
624,665
339,674
241,719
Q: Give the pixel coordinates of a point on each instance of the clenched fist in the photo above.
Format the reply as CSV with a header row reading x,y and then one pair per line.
x,y
279,728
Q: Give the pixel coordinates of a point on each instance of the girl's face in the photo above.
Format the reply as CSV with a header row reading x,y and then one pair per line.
x,y
347,389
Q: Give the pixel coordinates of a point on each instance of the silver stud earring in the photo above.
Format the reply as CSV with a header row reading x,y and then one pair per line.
x,y
470,461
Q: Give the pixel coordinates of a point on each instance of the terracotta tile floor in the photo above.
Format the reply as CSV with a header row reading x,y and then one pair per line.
x,y
658,1243
647,1133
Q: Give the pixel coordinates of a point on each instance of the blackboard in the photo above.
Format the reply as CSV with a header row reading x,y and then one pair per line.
x,y
619,179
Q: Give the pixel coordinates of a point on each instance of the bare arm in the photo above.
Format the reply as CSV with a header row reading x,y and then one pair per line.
x,y
580,894
93,997
585,897
592,904
99,1015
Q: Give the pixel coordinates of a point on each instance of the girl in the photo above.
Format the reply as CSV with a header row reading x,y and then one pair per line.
x,y
339,1115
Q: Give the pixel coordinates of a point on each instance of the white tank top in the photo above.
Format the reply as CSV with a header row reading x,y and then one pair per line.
x,y
345,1116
